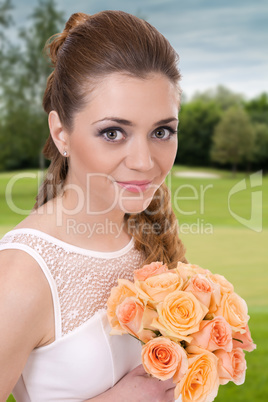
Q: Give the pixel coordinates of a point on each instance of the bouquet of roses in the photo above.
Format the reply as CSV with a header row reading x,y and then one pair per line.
x,y
192,325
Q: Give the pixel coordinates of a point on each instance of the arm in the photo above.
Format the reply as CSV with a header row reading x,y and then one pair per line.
x,y
24,301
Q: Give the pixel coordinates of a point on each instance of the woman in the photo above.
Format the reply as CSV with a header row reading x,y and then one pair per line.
x,y
103,211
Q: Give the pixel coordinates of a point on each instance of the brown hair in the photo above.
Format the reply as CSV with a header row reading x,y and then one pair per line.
x,y
89,48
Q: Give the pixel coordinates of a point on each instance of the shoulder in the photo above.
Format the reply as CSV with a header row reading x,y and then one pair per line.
x,y
21,273
19,267
24,307
24,294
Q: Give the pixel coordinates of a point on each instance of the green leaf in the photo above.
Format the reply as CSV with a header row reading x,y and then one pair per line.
x,y
133,336
238,340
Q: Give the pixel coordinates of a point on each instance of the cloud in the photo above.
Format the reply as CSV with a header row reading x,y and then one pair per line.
x,y
219,42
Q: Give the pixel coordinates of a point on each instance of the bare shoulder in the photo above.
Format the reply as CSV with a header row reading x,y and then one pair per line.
x,y
25,308
25,295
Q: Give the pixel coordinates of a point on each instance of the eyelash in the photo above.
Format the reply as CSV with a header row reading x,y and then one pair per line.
x,y
106,130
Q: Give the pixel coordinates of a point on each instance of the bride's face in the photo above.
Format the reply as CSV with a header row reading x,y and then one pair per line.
x,y
123,143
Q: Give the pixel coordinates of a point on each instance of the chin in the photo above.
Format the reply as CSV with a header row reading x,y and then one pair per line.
x,y
135,206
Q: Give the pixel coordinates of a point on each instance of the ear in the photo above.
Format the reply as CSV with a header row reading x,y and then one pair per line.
x,y
58,133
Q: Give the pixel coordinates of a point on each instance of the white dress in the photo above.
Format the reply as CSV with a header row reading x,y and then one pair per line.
x,y
84,360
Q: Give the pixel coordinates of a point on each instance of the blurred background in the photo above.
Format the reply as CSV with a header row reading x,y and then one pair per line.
x,y
219,184
223,60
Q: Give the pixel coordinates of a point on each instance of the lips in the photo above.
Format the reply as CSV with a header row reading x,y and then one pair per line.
x,y
136,186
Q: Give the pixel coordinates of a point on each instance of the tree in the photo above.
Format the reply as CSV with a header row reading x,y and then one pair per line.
x,y
5,21
220,95
197,122
260,151
257,109
198,119
233,138
25,128
47,21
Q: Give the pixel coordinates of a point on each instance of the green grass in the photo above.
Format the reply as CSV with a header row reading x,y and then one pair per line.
x,y
207,199
17,196
214,239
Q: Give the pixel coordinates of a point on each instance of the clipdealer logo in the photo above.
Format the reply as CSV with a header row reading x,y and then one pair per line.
x,y
197,194
255,220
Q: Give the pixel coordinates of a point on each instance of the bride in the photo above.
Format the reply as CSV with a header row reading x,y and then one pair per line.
x,y
102,212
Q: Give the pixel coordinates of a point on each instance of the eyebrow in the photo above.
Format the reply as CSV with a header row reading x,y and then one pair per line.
x,y
129,123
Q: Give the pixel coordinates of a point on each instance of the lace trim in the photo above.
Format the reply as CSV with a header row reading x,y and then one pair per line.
x,y
83,281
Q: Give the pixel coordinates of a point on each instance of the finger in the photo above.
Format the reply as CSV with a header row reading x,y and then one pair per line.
x,y
169,395
170,384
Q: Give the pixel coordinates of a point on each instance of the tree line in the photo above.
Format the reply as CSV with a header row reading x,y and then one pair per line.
x,y
217,127
221,128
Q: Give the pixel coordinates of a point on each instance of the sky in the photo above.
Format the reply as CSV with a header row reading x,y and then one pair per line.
x,y
220,42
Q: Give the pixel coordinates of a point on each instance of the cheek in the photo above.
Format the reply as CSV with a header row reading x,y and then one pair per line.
x,y
166,157
90,158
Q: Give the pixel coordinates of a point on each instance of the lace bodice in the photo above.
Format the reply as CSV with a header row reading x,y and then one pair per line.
x,y
83,278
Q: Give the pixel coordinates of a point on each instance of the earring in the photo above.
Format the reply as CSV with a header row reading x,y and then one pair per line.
x,y
65,153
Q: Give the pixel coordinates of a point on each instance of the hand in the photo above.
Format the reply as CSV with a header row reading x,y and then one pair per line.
x,y
138,386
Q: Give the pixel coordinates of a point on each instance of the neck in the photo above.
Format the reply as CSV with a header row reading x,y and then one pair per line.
x,y
98,230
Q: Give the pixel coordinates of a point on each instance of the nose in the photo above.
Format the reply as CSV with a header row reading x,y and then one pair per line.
x,y
139,155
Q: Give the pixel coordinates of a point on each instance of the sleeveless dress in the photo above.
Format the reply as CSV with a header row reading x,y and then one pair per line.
x,y
84,360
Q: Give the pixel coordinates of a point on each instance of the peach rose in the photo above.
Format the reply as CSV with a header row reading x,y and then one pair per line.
x,y
155,288
232,366
146,271
124,289
135,319
129,314
147,332
189,270
213,335
180,315
244,340
164,359
234,309
201,381
215,298
201,288
225,286
239,365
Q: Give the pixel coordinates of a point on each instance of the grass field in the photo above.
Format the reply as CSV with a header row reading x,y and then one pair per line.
x,y
214,238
